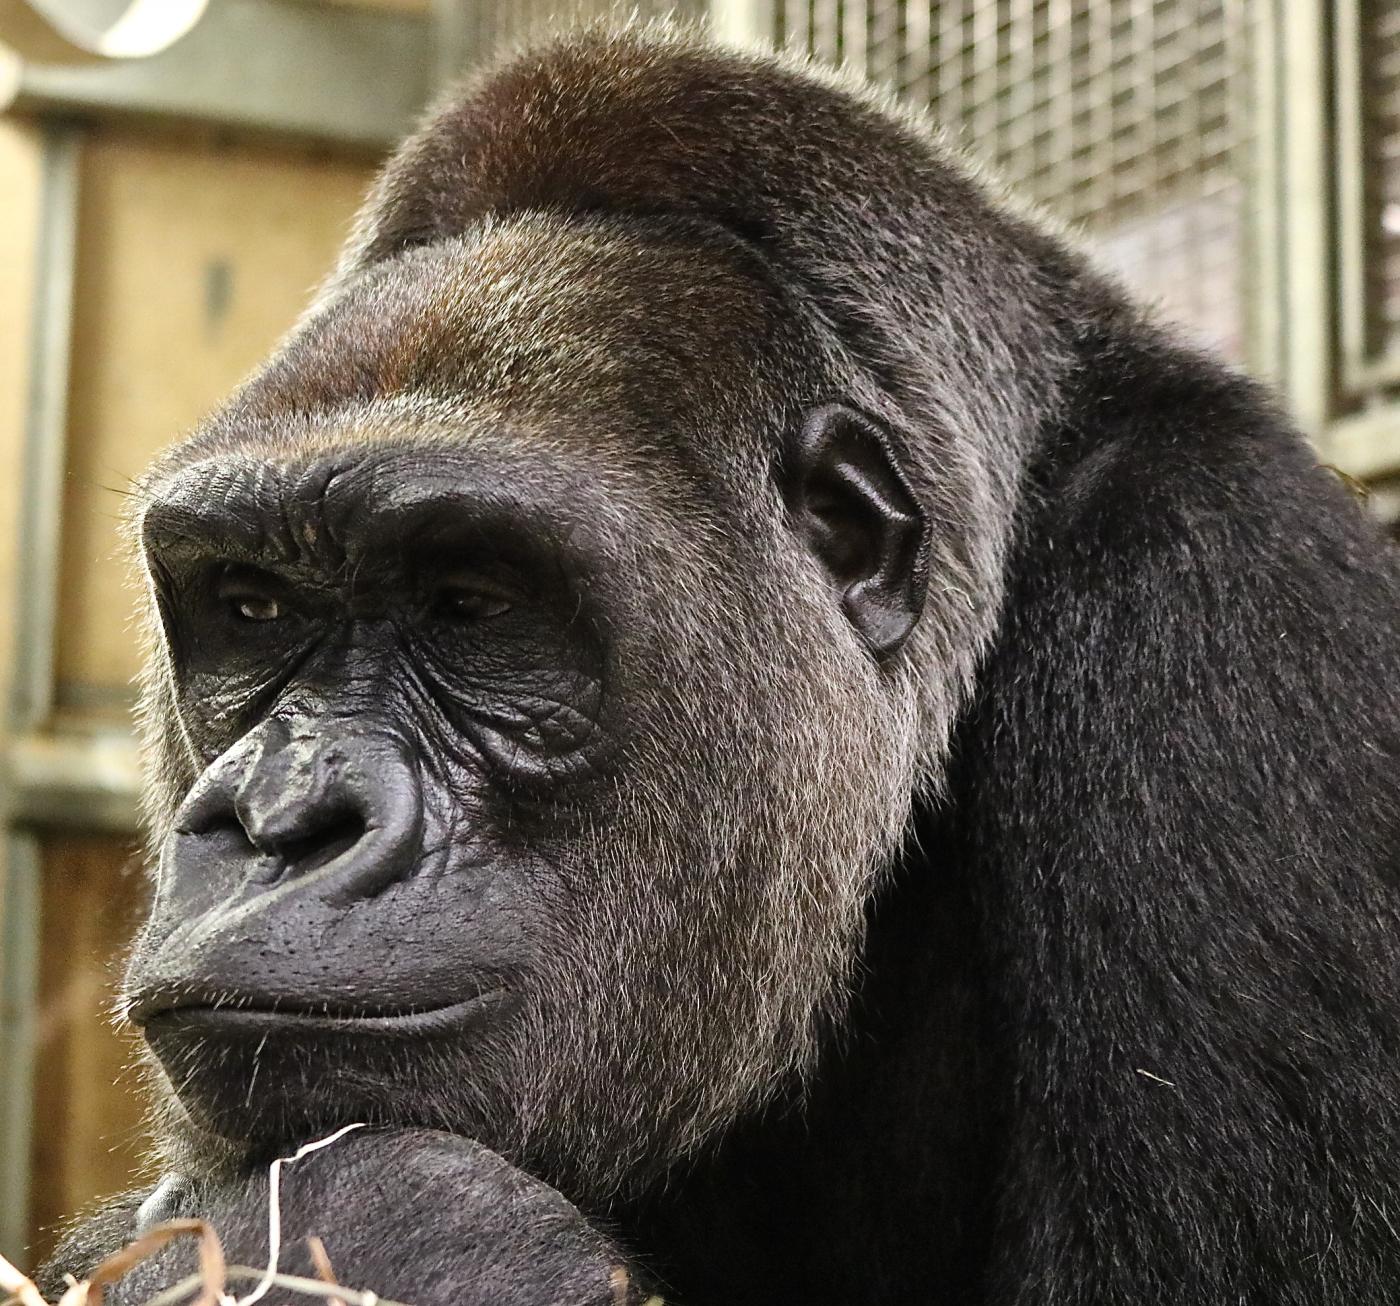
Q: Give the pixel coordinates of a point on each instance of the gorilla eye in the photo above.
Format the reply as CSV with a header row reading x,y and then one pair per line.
x,y
468,603
259,608
249,597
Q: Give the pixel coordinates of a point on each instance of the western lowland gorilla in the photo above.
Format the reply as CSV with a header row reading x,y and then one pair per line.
x,y
772,735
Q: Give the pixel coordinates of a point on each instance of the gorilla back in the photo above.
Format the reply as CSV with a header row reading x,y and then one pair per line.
x,y
726,664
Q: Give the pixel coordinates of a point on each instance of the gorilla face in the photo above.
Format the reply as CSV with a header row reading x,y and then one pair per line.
x,y
526,705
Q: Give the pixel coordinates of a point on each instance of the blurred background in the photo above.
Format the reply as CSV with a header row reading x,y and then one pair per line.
x,y
176,175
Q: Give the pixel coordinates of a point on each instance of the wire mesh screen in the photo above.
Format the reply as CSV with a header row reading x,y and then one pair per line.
x,y
1380,102
1128,118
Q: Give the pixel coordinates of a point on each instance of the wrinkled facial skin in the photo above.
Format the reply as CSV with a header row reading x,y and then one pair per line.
x,y
386,674
522,760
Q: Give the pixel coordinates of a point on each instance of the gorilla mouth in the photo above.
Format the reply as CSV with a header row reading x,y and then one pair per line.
x,y
268,1070
226,1015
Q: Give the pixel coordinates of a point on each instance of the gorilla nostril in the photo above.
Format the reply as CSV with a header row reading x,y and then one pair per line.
x,y
305,852
212,825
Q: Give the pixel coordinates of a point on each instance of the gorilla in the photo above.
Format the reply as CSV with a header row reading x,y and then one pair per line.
x,y
771,736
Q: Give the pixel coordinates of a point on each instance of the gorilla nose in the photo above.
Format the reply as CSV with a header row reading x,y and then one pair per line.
x,y
327,804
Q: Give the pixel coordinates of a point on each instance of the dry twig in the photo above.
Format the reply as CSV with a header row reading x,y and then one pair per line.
x,y
293,1282
18,1286
211,1274
322,1262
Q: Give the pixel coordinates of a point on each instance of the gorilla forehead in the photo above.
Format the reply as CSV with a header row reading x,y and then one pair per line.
x,y
631,324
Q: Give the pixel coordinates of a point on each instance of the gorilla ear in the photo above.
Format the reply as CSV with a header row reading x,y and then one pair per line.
x,y
851,502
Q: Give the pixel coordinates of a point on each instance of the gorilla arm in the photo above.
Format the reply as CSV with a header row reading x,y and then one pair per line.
x,y
410,1214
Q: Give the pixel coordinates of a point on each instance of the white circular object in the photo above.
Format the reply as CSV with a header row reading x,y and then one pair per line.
x,y
44,30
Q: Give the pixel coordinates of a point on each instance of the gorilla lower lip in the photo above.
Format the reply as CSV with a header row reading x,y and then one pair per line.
x,y
229,1019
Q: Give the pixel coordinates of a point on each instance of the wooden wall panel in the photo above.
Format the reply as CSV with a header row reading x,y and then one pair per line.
x,y
87,1110
193,259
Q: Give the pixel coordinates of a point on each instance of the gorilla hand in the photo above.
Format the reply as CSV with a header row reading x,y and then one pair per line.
x,y
411,1214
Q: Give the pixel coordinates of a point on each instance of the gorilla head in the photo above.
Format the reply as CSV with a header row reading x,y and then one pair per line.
x,y
716,640
551,638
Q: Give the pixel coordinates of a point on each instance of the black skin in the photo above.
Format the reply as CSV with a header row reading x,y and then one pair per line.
x,y
1123,1023
411,621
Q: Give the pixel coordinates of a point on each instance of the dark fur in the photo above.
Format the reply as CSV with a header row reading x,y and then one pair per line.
x,y
1122,1022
